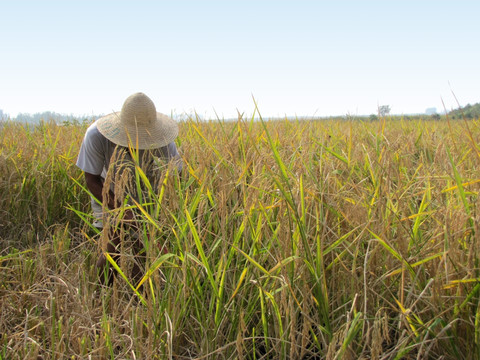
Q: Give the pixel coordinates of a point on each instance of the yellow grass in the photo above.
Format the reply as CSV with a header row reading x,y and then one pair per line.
x,y
286,240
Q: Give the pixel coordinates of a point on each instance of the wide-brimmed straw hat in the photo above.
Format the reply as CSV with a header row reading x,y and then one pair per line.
x,y
138,124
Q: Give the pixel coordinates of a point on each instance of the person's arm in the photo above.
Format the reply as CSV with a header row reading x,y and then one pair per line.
x,y
91,159
95,186
170,154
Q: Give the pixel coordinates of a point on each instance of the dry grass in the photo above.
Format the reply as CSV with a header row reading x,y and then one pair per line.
x,y
287,239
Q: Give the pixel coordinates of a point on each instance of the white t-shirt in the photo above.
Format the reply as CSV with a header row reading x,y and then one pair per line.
x,y
95,154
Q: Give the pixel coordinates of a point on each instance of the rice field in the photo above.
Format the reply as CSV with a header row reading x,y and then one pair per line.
x,y
286,239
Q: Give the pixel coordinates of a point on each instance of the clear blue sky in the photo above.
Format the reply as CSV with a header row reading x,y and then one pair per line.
x,y
295,57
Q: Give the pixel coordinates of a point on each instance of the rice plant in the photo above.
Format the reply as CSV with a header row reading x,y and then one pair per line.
x,y
285,239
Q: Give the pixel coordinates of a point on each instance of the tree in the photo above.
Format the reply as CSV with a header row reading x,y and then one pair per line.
x,y
467,112
383,110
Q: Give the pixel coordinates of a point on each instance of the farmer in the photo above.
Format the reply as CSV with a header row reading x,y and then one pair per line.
x,y
110,141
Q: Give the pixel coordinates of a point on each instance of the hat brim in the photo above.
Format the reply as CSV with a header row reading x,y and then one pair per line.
x,y
160,133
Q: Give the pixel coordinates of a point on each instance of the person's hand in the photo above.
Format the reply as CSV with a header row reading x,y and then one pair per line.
x,y
128,215
162,248
129,219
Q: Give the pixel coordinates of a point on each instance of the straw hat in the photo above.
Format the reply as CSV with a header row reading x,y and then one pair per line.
x,y
139,124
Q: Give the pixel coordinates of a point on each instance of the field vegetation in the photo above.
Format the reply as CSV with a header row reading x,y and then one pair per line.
x,y
285,239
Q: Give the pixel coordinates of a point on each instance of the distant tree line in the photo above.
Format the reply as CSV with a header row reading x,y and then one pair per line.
x,y
467,112
48,116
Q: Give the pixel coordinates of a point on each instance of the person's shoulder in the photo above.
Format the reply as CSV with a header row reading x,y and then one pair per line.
x,y
93,132
93,129
172,145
